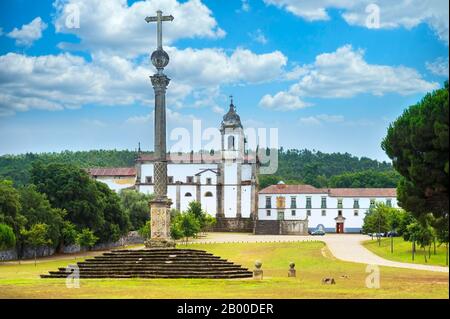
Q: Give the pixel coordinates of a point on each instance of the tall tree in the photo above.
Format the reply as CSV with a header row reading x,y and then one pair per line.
x,y
37,209
89,204
418,144
7,237
36,236
10,206
135,205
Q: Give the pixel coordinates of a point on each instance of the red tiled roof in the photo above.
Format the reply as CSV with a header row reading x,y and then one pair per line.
x,y
363,192
334,192
114,171
292,189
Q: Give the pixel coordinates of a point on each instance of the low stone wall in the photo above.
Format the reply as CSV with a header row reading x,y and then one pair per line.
x,y
281,227
130,239
239,225
267,227
294,227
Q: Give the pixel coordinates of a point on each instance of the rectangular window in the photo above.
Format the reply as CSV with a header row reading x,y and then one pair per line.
x,y
372,203
268,212
268,202
293,213
293,202
355,213
324,202
308,202
324,213
189,179
339,204
148,179
389,202
308,213
170,179
339,213
356,203
208,181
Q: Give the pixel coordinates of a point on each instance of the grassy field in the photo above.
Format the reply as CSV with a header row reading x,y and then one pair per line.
x,y
402,252
313,262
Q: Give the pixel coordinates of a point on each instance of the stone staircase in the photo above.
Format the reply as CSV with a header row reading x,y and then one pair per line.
x,y
155,263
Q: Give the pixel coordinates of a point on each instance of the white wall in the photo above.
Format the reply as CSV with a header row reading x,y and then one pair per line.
x,y
352,223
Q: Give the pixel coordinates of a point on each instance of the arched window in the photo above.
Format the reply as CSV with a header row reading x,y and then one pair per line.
x,y
188,194
208,194
231,142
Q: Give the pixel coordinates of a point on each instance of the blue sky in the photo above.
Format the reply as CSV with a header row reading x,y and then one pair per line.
x,y
316,70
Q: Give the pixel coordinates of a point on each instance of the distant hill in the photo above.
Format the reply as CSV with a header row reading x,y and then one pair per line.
x,y
330,170
295,166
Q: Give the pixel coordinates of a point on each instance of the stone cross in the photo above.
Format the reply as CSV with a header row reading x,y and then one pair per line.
x,y
159,19
160,206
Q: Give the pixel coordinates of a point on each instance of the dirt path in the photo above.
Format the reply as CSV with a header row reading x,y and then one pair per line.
x,y
345,247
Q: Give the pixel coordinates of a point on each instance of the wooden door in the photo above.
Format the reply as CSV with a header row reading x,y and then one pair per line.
x,y
339,228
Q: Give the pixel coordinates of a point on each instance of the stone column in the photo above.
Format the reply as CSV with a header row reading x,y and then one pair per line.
x,y
160,207
219,192
239,190
198,194
178,196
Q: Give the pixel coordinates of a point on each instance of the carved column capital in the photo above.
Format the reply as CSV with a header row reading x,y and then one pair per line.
x,y
160,83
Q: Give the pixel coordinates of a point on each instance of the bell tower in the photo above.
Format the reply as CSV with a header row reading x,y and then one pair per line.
x,y
233,141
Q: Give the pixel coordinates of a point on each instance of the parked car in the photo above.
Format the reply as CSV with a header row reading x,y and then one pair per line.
x,y
392,234
377,234
318,232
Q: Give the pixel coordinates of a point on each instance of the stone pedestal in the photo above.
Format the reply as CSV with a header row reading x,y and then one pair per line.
x,y
160,224
292,272
258,272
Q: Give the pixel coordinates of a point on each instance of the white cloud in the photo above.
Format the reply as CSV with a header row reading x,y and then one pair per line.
x,y
206,67
282,101
343,74
120,28
259,37
55,82
393,14
219,110
28,33
173,117
321,119
245,5
438,66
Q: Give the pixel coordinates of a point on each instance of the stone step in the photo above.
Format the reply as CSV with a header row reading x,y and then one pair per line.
x,y
199,276
156,267
170,263
156,257
159,271
156,261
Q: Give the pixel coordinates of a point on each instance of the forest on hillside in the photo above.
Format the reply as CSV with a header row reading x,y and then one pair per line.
x,y
295,166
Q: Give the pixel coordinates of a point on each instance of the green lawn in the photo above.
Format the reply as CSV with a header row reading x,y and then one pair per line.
x,y
402,251
313,262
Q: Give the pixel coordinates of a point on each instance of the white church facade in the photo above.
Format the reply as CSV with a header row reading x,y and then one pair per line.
x,y
226,185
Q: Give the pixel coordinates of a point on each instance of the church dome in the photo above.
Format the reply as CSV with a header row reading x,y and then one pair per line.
x,y
231,118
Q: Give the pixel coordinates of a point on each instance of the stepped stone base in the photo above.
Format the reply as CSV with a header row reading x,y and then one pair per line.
x,y
155,263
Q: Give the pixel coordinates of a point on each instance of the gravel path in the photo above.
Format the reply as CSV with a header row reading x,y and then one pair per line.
x,y
346,247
